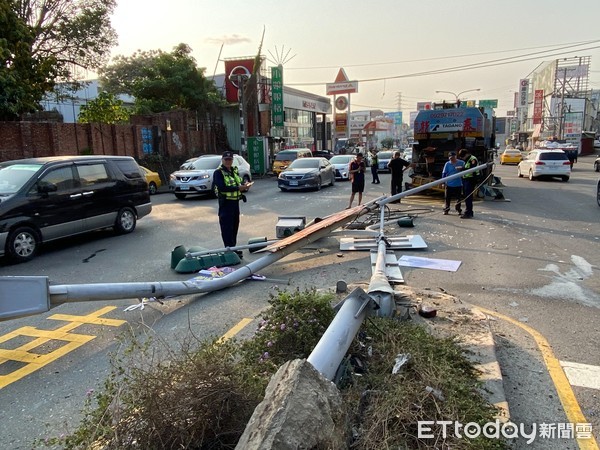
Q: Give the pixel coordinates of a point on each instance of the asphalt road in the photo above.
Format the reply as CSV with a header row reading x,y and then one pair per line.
x,y
533,259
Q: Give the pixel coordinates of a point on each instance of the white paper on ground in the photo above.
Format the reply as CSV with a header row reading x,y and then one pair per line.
x,y
429,263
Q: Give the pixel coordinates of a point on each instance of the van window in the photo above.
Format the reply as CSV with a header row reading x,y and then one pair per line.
x,y
129,168
92,174
61,177
14,177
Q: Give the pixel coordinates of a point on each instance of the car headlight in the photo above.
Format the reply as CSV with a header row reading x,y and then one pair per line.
x,y
172,177
204,176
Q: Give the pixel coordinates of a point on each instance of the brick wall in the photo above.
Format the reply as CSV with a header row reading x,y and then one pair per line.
x,y
34,139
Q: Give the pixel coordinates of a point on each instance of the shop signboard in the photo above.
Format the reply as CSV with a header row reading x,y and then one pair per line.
x,y
341,123
488,103
277,96
395,116
258,155
523,89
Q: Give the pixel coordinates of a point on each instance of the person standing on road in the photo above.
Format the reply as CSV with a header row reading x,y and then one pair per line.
x,y
453,189
374,166
469,182
356,169
229,189
397,167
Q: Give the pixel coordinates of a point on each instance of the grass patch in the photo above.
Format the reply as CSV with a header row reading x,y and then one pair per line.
x,y
202,396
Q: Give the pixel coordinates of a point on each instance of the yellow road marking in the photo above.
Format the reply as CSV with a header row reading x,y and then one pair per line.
x,y
34,361
563,387
235,329
93,318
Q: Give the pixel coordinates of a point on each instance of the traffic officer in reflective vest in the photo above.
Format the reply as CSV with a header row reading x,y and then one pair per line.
x,y
229,189
469,181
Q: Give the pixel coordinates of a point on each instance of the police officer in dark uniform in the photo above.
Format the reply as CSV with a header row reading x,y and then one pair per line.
x,y
469,181
229,189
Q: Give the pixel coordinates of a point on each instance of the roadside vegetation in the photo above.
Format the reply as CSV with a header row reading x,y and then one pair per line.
x,y
202,396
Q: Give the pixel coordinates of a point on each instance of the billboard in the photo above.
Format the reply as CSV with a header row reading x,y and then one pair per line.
x,y
395,116
235,67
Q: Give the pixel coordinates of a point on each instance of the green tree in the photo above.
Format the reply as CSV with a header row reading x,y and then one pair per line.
x,y
387,142
106,108
161,81
76,33
46,41
23,78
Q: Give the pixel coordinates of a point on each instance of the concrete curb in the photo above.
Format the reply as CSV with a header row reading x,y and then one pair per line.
x,y
472,327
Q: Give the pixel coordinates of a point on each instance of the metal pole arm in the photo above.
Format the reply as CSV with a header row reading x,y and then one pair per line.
x,y
424,187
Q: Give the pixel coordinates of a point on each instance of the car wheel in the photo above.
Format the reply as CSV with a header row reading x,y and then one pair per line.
x,y
565,178
332,181
22,244
180,196
152,188
597,167
319,183
126,221
531,177
246,179
598,194
519,172
283,189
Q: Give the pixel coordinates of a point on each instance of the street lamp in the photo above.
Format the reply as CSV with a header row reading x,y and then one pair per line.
x,y
457,95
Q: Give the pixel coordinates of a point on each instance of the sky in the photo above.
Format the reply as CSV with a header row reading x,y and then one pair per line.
x,y
385,45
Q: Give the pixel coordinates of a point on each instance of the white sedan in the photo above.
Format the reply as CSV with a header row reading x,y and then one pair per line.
x,y
340,164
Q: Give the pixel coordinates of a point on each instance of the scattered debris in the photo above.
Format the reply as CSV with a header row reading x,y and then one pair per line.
x,y
436,393
427,311
401,360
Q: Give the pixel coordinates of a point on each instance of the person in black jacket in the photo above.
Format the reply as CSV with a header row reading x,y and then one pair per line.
x,y
397,167
229,189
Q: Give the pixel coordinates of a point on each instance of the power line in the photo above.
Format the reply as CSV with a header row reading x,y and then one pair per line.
x,y
443,57
479,65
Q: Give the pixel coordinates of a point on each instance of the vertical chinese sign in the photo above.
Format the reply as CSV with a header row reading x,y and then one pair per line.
x,y
277,96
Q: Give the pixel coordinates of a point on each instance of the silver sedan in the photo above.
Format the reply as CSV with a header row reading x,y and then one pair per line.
x,y
307,173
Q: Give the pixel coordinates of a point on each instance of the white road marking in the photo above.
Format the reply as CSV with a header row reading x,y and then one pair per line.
x,y
582,375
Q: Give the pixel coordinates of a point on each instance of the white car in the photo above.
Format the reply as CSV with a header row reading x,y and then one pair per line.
x,y
596,143
340,164
197,175
545,163
384,158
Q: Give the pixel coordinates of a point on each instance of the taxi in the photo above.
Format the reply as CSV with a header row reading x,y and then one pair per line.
x,y
511,156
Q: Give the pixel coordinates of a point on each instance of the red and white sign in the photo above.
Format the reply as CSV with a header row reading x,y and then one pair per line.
x,y
341,103
538,106
423,106
342,85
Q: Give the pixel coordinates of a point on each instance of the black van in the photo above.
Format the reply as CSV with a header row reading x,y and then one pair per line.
x,y
43,199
